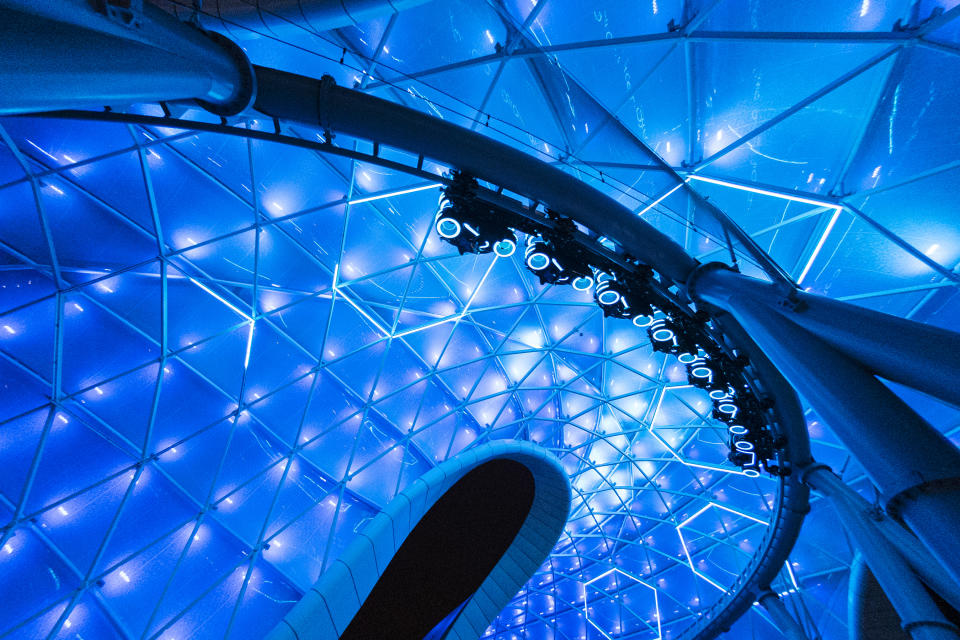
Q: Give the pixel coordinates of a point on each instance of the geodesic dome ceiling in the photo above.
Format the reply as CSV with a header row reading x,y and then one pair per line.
x,y
221,356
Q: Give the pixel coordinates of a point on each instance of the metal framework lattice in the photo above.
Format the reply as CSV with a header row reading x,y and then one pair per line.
x,y
221,356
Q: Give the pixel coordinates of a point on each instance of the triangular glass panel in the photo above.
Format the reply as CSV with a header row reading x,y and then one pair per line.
x,y
268,597
21,436
86,234
910,131
192,207
784,155
519,111
633,63
133,296
28,336
22,602
21,233
97,345
225,158
188,402
59,462
127,195
750,86
21,391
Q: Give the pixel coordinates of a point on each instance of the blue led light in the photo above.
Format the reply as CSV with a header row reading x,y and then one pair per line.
x,y
728,408
703,371
448,227
538,261
582,283
608,297
663,334
642,320
191,318
721,394
505,248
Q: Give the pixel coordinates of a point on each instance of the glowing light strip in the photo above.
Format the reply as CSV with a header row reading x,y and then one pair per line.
x,y
392,194
384,331
763,192
246,357
660,199
690,519
656,601
666,445
687,463
816,251
783,196
725,508
221,299
793,580
476,289
41,150
340,292
362,312
428,326
692,568
656,410
455,317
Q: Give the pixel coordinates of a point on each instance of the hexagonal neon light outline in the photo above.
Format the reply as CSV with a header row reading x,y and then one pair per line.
x,y
656,601
696,515
653,432
793,578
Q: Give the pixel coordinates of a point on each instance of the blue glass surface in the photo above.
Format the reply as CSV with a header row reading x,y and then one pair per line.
x,y
216,367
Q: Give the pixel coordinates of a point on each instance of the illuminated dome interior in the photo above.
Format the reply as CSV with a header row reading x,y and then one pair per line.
x,y
222,355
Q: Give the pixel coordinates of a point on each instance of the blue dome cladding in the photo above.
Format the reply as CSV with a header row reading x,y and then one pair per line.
x,y
232,412
220,357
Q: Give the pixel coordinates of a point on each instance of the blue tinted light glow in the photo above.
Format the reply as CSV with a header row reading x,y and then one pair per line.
x,y
214,312
538,261
448,227
505,248
820,243
392,194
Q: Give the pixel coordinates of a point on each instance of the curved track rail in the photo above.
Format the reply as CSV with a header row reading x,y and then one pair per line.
x,y
786,418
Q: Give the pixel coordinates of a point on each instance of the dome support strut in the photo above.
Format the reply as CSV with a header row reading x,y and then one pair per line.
x,y
920,616
831,353
788,626
67,54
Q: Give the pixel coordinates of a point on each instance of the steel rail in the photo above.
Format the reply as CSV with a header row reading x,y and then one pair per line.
x,y
791,496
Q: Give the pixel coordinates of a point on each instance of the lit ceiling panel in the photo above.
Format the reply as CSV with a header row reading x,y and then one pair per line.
x,y
220,357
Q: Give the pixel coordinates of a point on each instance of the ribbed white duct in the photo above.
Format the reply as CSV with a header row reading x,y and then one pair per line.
x,y
281,18
73,53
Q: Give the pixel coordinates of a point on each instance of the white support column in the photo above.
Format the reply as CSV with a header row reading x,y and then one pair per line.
x,y
785,622
919,615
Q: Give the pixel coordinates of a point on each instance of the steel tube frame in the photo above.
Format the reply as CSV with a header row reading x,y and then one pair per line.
x,y
904,455
917,355
322,103
66,54
794,506
913,465
245,19
785,622
907,545
919,614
